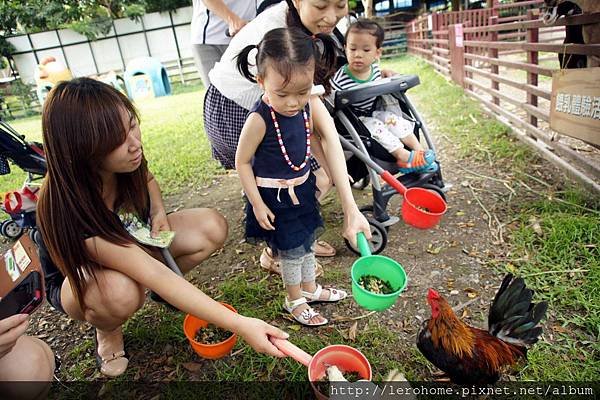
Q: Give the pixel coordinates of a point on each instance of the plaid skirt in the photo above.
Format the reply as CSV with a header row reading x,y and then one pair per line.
x,y
223,123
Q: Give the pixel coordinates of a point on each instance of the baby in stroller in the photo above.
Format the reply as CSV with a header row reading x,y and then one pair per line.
x,y
419,167
364,40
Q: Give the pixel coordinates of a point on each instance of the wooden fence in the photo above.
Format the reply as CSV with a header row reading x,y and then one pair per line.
x,y
480,50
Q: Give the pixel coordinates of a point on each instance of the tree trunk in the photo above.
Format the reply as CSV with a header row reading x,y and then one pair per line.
x,y
368,6
455,5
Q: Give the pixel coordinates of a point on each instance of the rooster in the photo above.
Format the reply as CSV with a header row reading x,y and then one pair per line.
x,y
474,356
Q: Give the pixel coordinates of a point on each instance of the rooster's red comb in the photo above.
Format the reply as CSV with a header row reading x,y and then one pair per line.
x,y
432,294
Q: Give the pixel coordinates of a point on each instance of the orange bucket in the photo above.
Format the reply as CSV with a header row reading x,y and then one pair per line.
x,y
191,325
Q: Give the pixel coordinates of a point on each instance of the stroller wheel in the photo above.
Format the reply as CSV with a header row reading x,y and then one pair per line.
x,y
434,188
10,229
378,239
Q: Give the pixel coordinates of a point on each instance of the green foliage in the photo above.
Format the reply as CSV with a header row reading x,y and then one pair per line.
x,y
166,5
87,17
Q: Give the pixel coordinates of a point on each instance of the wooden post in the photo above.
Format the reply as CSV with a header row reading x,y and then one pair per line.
x,y
457,53
532,58
368,5
493,53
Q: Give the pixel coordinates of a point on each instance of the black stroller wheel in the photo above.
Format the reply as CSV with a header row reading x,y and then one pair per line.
x,y
10,229
435,188
369,212
378,239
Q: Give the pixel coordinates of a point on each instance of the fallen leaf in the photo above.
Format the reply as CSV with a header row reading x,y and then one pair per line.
x,y
471,293
352,331
295,328
432,250
511,268
535,225
465,313
192,366
239,251
559,329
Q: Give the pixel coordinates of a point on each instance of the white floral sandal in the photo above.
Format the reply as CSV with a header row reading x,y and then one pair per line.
x,y
306,315
335,295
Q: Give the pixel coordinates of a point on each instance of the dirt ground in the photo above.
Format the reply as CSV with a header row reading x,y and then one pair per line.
x,y
453,258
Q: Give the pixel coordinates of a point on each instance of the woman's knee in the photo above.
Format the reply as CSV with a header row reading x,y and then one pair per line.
x,y
115,295
35,359
214,228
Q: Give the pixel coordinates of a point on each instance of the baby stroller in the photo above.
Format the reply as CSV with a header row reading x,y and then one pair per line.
x,y
390,92
20,204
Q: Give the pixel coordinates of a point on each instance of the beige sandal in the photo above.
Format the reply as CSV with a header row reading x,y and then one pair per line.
x,y
112,366
306,315
268,263
324,249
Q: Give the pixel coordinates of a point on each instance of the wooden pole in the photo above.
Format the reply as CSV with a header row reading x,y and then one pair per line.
x,y
532,58
457,53
493,53
368,6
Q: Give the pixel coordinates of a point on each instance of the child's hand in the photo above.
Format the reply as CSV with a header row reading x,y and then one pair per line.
x,y
160,222
264,216
256,332
354,222
386,73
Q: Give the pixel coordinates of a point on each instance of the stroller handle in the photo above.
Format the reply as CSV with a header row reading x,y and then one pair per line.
x,y
385,175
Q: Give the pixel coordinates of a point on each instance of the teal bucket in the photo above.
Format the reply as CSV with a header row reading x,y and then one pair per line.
x,y
381,267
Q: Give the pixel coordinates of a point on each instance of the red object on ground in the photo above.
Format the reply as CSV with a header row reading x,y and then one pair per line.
x,y
344,357
191,325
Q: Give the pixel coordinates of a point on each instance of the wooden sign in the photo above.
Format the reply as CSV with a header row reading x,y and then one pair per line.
x,y
575,106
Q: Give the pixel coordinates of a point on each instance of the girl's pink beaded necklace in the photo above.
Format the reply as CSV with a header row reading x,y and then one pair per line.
x,y
280,139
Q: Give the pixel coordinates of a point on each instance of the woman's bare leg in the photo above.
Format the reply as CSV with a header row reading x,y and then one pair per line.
x,y
199,233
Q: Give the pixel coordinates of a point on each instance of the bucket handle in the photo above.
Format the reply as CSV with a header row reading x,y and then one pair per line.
x,y
363,244
291,350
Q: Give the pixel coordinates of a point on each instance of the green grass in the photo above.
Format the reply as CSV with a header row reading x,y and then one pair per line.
x,y
570,233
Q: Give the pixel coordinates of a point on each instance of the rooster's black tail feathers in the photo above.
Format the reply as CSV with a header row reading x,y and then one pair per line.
x,y
513,318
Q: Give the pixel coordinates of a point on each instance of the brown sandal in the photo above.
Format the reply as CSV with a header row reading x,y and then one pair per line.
x,y
268,263
324,249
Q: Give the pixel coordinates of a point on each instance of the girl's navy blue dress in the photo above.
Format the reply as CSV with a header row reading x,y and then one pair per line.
x,y
295,225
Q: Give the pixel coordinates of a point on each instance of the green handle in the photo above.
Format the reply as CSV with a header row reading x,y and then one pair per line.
x,y
363,244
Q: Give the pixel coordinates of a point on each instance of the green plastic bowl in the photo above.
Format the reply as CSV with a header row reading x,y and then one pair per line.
x,y
381,267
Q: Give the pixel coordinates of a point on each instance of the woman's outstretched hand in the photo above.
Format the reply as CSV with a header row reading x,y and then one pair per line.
x,y
354,222
256,333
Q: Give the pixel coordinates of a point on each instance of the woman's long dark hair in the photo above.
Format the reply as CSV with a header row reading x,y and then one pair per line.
x,y
82,123
286,49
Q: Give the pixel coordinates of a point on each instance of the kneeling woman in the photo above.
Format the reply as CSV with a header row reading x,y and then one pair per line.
x,y
95,270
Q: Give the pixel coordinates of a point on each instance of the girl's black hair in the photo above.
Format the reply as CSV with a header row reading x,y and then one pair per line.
x,y
290,48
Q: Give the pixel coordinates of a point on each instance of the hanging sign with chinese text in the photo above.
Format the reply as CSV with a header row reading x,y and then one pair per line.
x,y
575,106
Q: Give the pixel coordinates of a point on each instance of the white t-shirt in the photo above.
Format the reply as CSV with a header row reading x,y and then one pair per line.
x,y
225,75
208,28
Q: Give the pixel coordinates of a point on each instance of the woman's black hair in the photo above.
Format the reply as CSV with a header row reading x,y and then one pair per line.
x,y
287,49
293,18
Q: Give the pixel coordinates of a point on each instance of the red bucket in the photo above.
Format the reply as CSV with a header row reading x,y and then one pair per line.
x,y
422,208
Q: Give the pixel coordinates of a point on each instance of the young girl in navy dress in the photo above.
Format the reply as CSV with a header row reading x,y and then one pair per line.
x,y
273,162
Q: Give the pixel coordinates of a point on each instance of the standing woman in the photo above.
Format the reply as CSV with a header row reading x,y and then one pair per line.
x,y
230,96
95,271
